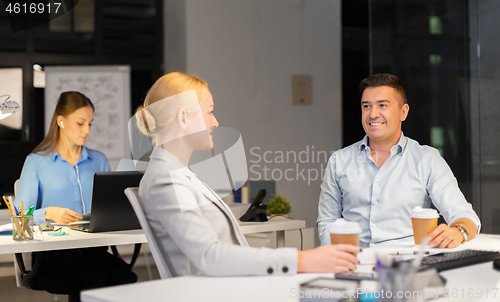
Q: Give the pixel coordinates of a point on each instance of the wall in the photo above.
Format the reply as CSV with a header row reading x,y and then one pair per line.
x,y
248,51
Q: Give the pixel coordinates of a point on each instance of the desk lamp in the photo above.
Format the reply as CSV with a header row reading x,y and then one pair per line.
x,y
7,108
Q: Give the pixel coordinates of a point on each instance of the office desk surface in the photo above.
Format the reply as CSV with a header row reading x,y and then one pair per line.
x,y
77,239
481,242
271,225
197,288
481,279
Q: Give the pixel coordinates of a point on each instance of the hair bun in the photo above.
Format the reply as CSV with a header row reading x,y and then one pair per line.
x,y
146,122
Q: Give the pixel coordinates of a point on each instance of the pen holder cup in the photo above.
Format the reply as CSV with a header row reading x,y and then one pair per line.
x,y
397,284
22,227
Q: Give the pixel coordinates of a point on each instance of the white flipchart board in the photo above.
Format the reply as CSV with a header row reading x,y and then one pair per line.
x,y
108,87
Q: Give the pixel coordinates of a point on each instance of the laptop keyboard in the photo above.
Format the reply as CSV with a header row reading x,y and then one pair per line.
x,y
451,260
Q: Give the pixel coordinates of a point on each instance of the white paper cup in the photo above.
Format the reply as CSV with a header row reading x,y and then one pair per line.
x,y
343,231
424,221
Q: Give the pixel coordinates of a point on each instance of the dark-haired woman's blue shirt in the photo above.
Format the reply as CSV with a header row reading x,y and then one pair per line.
x,y
49,180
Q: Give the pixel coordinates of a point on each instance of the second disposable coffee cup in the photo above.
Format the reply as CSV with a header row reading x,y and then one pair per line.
x,y
343,231
424,221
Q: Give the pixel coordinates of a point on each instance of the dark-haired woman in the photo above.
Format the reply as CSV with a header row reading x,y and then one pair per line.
x,y
57,180
57,176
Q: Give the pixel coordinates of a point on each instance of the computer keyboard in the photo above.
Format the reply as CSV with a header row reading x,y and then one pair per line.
x,y
451,260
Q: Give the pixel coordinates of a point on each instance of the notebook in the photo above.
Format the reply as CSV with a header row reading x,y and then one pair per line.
x,y
111,210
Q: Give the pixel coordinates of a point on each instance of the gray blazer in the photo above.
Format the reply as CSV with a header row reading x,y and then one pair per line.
x,y
197,230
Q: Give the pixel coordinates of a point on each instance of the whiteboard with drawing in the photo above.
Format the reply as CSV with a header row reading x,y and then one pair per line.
x,y
108,87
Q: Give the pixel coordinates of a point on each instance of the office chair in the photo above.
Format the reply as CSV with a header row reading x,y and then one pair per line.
x,y
25,278
25,257
159,255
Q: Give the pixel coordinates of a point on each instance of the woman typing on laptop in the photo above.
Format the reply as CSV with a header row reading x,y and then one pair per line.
x,y
57,179
197,231
57,176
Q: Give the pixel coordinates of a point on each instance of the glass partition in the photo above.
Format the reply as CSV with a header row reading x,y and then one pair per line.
x,y
485,109
446,53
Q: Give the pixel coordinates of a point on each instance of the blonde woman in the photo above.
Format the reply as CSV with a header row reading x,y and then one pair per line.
x,y
196,230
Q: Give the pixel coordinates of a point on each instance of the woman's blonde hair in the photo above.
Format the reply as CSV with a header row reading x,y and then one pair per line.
x,y
155,120
68,102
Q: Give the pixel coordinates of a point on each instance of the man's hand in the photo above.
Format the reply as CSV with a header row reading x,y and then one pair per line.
x,y
61,215
445,237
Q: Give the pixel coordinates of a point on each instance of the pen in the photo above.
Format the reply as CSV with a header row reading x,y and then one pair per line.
x,y
404,253
13,216
22,212
9,198
30,211
8,206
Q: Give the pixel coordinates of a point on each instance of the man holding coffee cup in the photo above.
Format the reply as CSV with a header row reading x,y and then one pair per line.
x,y
377,181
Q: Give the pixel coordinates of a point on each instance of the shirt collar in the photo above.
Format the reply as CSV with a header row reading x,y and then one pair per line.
x,y
401,145
364,144
85,155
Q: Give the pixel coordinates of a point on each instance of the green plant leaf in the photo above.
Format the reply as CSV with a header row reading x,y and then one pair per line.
x,y
278,206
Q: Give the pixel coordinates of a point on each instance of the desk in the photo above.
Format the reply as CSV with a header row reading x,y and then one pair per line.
x,y
481,242
280,288
278,224
78,239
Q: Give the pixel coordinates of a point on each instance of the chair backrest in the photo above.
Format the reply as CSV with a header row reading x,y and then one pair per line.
x,y
16,184
161,258
26,256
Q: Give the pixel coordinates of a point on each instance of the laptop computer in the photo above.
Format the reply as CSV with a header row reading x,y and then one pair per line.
x,y
111,210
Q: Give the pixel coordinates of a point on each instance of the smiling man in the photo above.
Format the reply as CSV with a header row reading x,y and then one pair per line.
x,y
380,179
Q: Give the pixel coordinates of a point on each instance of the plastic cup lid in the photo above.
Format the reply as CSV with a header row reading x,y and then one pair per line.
x,y
425,213
342,226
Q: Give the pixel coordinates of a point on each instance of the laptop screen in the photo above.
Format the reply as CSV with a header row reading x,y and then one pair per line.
x,y
111,210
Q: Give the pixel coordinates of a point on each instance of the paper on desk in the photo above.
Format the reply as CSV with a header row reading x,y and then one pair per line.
x,y
6,227
58,234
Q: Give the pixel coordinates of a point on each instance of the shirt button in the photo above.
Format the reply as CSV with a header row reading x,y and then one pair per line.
x,y
270,270
285,269
376,179
375,202
372,225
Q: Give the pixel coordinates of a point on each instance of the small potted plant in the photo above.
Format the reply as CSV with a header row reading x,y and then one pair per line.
x,y
278,205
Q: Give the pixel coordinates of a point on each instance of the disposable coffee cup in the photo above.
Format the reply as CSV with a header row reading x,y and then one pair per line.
x,y
22,227
343,231
424,221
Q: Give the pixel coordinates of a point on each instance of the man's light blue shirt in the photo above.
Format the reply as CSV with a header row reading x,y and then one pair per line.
x,y
49,180
381,200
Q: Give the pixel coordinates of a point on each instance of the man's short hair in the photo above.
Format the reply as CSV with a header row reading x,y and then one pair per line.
x,y
384,79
